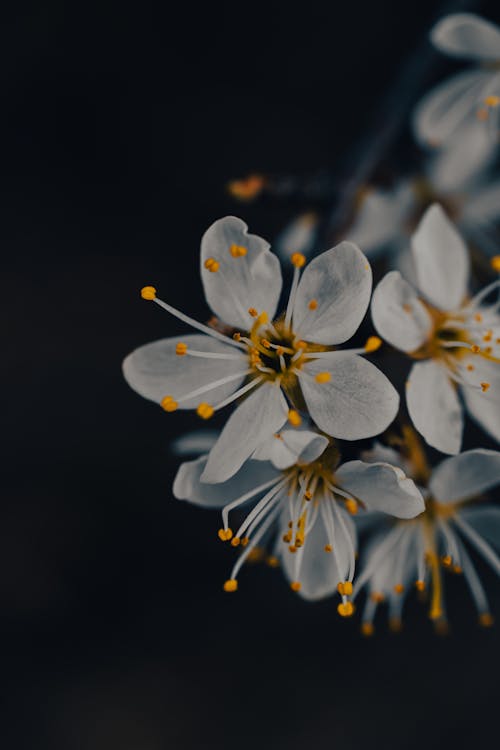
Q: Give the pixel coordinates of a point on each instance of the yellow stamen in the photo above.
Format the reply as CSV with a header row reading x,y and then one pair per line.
x,y
395,624
323,377
181,349
253,312
486,619
373,343
420,585
301,345
495,263
344,588
470,368
482,114
231,585
345,609
292,549
446,561
308,495
237,251
287,538
475,349
313,304
235,541
148,292
248,188
295,585
328,548
399,588
225,534
377,596
478,318
294,417
351,506
272,561
484,386
244,541
265,343
367,628
263,318
212,265
298,260
205,411
488,336
492,101
256,555
457,569
168,403
236,336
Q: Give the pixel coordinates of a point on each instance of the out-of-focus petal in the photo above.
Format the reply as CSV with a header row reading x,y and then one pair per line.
x,y
381,217
289,447
299,236
465,476
398,315
467,36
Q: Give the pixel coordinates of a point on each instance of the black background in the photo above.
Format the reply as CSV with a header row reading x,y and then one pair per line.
x,y
121,124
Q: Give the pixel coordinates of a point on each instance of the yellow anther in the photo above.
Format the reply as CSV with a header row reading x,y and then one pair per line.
x,y
475,349
399,588
470,368
301,345
294,417
253,312
407,308
395,624
292,549
328,548
265,343
212,265
280,351
237,251
298,260
436,613
272,561
287,538
377,596
351,506
168,403
482,114
420,585
263,318
495,263
486,619
248,188
299,542
478,318
148,292
308,495
231,584
457,569
236,336
225,534
244,541
323,377
313,304
446,561
488,349
345,609
181,349
205,411
492,101
295,585
344,588
367,628
488,336
256,555
484,386
235,541
373,343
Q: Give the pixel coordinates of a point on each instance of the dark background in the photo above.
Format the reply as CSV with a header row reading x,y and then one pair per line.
x,y
121,124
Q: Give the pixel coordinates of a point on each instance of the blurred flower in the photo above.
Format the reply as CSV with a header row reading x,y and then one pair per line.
x,y
281,367
299,236
457,177
456,340
413,553
304,497
474,93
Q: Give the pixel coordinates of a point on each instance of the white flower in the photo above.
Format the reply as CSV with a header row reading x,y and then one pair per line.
x,y
455,340
306,502
281,367
474,93
411,554
458,177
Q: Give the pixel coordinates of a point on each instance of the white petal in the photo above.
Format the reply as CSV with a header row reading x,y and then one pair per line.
x,y
483,204
461,161
398,315
319,575
263,413
253,280
155,370
441,260
468,36
447,107
381,487
188,484
434,407
340,280
484,408
486,521
380,218
465,476
290,447
380,453
299,236
194,443
358,401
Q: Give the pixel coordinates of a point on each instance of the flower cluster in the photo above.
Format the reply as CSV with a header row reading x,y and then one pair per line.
x,y
302,396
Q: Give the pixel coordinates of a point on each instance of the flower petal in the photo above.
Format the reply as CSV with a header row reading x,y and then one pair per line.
x,y
465,476
251,279
468,36
398,315
194,443
441,260
290,447
483,204
318,572
434,407
381,487
340,281
357,402
445,109
484,408
299,236
188,484
155,370
485,519
460,162
380,218
255,420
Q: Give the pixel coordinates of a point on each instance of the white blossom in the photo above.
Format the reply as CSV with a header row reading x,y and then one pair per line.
x,y
454,339
282,364
304,498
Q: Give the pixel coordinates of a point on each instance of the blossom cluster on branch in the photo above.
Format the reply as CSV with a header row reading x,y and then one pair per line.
x,y
303,397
